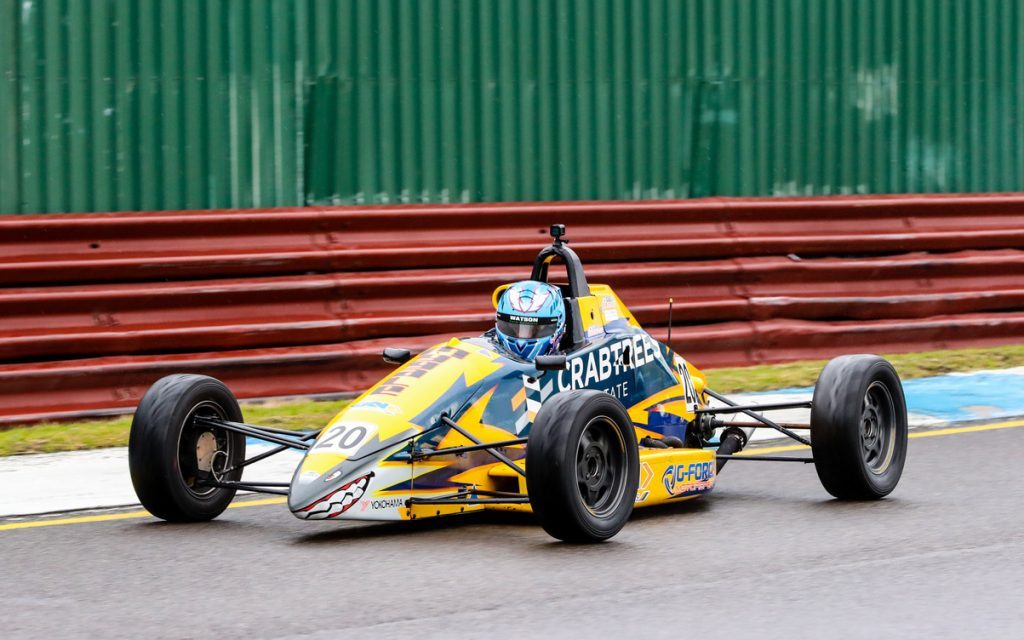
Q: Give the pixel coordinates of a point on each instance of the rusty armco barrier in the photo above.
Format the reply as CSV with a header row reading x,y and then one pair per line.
x,y
95,307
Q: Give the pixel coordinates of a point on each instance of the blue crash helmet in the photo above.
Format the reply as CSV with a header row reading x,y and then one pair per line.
x,y
531,319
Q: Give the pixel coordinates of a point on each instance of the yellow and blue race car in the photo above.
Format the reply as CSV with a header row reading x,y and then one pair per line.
x,y
609,420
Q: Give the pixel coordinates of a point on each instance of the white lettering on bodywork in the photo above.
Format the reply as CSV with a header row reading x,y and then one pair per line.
x,y
608,361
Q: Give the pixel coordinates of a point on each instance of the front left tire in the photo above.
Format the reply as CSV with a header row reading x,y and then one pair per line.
x,y
582,466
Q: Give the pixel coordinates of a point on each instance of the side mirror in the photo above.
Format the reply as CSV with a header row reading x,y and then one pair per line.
x,y
396,356
551,363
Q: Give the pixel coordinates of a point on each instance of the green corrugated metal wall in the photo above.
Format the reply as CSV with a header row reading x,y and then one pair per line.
x,y
171,104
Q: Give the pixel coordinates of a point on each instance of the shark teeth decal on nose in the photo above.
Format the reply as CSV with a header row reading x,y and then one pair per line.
x,y
337,502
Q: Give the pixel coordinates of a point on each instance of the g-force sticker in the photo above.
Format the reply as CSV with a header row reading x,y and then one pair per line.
x,y
684,479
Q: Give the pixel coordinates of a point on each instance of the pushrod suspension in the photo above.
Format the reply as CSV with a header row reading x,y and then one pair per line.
x,y
472,447
266,454
489,448
760,425
255,432
257,487
756,416
740,408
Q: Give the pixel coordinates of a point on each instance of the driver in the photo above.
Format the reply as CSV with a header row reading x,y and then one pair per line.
x,y
531,319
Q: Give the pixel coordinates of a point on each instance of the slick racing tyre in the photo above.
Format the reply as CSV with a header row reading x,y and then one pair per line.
x,y
582,466
859,427
173,459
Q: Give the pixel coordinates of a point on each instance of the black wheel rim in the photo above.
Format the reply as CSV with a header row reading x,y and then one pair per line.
x,y
877,428
200,447
601,466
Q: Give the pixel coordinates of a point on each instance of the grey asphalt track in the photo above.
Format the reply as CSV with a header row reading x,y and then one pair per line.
x,y
767,555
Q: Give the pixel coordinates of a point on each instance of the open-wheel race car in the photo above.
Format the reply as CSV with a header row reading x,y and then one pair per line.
x,y
606,420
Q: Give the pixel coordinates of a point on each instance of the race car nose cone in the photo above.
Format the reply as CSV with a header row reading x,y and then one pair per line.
x,y
336,472
335,502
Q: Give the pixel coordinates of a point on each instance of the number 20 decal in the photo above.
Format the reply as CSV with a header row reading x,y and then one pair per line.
x,y
689,389
345,436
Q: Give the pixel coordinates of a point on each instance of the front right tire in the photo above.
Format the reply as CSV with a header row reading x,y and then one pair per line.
x,y
172,458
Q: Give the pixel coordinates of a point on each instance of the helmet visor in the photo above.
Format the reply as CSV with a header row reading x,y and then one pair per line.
x,y
526,327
